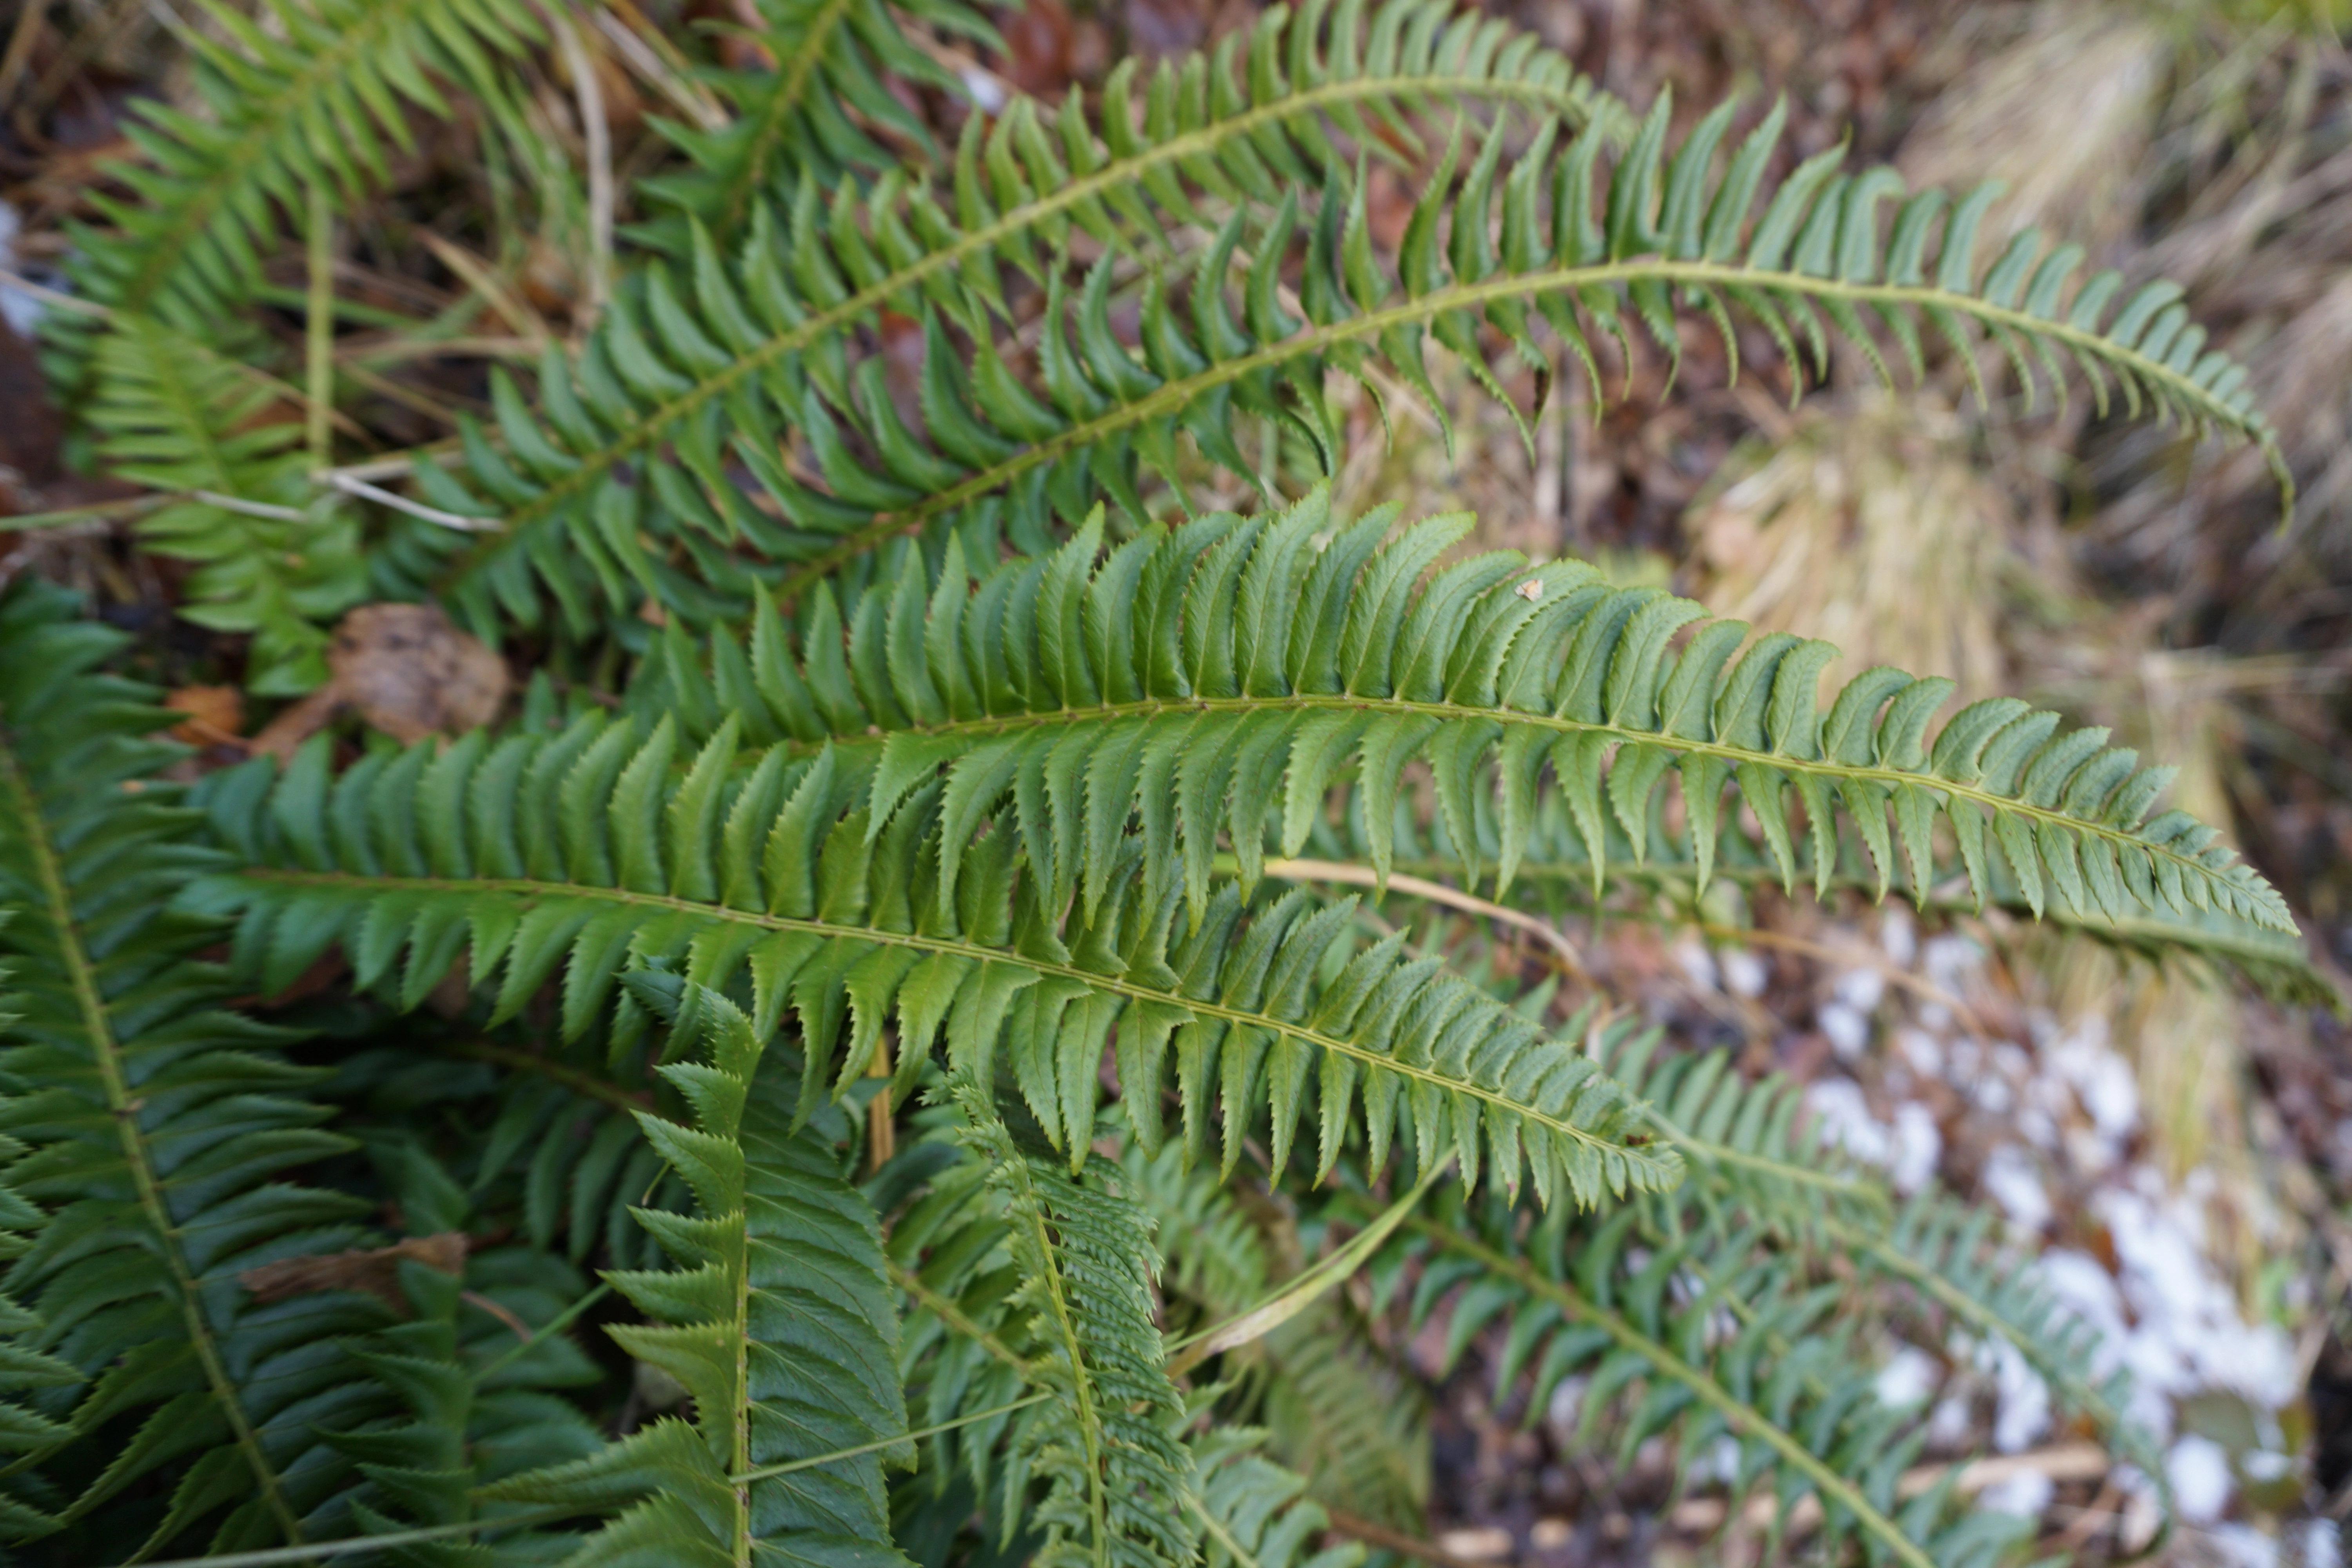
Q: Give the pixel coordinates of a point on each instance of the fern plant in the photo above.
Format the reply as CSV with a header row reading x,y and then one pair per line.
x,y
896,1052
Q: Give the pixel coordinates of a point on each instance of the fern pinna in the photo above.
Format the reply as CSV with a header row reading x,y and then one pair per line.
x,y
890,1056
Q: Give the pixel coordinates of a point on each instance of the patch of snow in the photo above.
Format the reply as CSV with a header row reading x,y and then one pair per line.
x,y
1922,1050
2012,1182
987,92
1949,961
1909,1378
1743,971
2317,1543
2022,1400
1898,936
2198,1470
1844,1121
1948,1424
2264,1465
1917,1147
2243,1546
1847,1028
1697,965
2027,1492
1566,1407
2100,1077
1861,989
18,309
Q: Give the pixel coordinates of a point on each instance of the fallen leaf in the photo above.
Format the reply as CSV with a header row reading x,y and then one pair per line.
x,y
407,671
374,1270
216,715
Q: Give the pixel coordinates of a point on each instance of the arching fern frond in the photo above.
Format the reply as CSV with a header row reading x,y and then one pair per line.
x,y
800,117
160,1131
584,850
173,414
1118,1482
1202,678
300,96
1701,1331
1555,879
25,1374
1520,248
778,1321
639,435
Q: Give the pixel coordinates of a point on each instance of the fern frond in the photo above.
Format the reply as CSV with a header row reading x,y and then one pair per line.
x,y
174,415
1698,1330
1947,1256
1202,678
1659,879
158,1129
26,1373
1117,1480
1222,340
778,1321
588,850
638,437
1251,1513
300,96
800,118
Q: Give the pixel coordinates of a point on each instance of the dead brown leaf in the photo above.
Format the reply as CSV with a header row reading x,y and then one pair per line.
x,y
407,671
216,715
374,1270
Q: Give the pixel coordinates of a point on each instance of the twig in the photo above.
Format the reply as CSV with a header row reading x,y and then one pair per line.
x,y
52,297
667,75
1364,1530
20,46
2062,1462
318,326
351,485
599,136
1435,892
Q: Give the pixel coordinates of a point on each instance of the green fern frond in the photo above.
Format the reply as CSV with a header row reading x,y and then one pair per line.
x,y
174,415
1948,1257
1660,880
26,1374
778,1321
1202,678
618,487
1117,1480
1251,1512
588,850
801,119
297,97
158,1129
1700,1331
1221,340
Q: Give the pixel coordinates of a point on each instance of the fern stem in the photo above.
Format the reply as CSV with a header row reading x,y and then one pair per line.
x,y
651,427
955,1318
924,943
1170,397
795,74
19,799
1741,1416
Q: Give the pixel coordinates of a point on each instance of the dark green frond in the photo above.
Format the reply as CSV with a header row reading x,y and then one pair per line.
x,y
1117,1481
800,116
270,558
161,1134
1205,679
1510,250
777,1319
1703,1332
1252,1512
620,485
581,852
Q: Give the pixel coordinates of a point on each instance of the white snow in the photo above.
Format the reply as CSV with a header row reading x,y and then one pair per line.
x,y
2011,1181
1917,1148
2198,1470
2022,1400
1909,1378
2027,1492
1848,1029
1743,971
